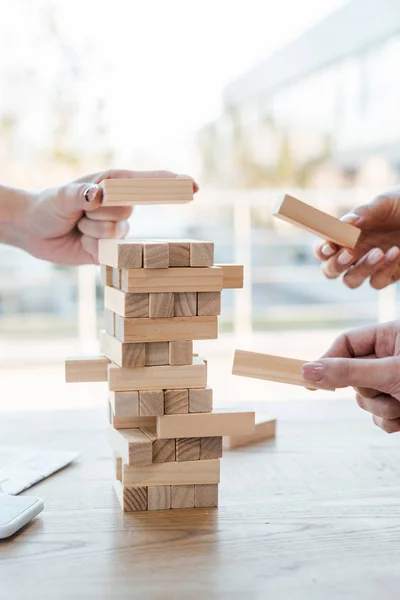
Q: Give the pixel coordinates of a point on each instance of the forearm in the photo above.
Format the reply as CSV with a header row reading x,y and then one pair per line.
x,y
14,208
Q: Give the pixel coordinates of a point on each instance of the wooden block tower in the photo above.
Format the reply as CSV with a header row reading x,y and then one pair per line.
x,y
160,296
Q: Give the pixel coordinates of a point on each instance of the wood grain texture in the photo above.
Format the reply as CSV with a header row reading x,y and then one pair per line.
x,y
201,401
265,429
124,404
171,473
210,447
176,402
130,192
232,276
126,305
157,354
159,497
317,222
187,449
120,254
151,403
156,255
166,330
132,422
86,369
124,355
180,279
205,496
131,500
132,445
180,353
201,254
182,496
161,305
179,254
208,304
156,378
163,450
205,424
185,304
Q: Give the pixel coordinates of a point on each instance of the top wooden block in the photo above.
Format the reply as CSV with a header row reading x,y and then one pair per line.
x,y
128,192
121,254
319,223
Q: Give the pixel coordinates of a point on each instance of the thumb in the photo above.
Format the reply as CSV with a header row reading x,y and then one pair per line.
x,y
381,374
383,211
73,198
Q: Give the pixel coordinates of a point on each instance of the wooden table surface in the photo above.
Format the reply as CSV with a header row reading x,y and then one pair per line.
x,y
314,515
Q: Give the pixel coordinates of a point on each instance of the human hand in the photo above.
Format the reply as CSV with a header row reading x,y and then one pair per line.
x,y
367,359
63,224
377,254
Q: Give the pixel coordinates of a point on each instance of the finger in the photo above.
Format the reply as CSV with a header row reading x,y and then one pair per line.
x,y
383,406
364,268
386,274
388,425
71,199
380,373
128,174
324,250
111,213
90,245
103,229
338,264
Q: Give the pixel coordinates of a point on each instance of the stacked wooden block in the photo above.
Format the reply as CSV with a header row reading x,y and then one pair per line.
x,y
160,296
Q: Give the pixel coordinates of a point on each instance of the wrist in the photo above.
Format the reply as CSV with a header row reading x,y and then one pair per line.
x,y
15,206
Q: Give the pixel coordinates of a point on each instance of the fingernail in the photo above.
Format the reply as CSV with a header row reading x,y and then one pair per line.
x,y
313,371
345,257
393,253
91,193
375,256
350,218
327,250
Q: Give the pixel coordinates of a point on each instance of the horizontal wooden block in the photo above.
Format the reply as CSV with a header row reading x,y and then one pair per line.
x,y
163,450
232,276
161,305
205,496
132,445
179,279
157,354
208,304
182,496
105,275
205,424
201,254
180,353
126,305
131,500
151,403
116,278
122,354
179,254
166,330
210,447
130,192
124,404
121,254
171,473
156,255
187,449
156,378
132,422
201,401
317,222
109,322
86,369
185,304
269,367
176,402
159,497
265,429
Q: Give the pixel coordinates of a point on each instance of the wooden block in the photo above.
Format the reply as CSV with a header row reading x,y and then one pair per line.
x,y
129,192
118,468
105,274
171,473
126,305
109,321
187,449
156,255
132,445
132,422
163,450
131,500
151,403
264,430
157,353
205,424
185,304
201,254
232,276
208,303
124,404
159,497
176,402
180,353
201,401
124,355
88,369
182,496
121,254
270,367
116,278
161,305
157,378
210,447
205,496
317,222
179,254
166,330
174,279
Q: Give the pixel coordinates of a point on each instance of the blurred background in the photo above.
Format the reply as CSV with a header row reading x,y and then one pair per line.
x,y
252,98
